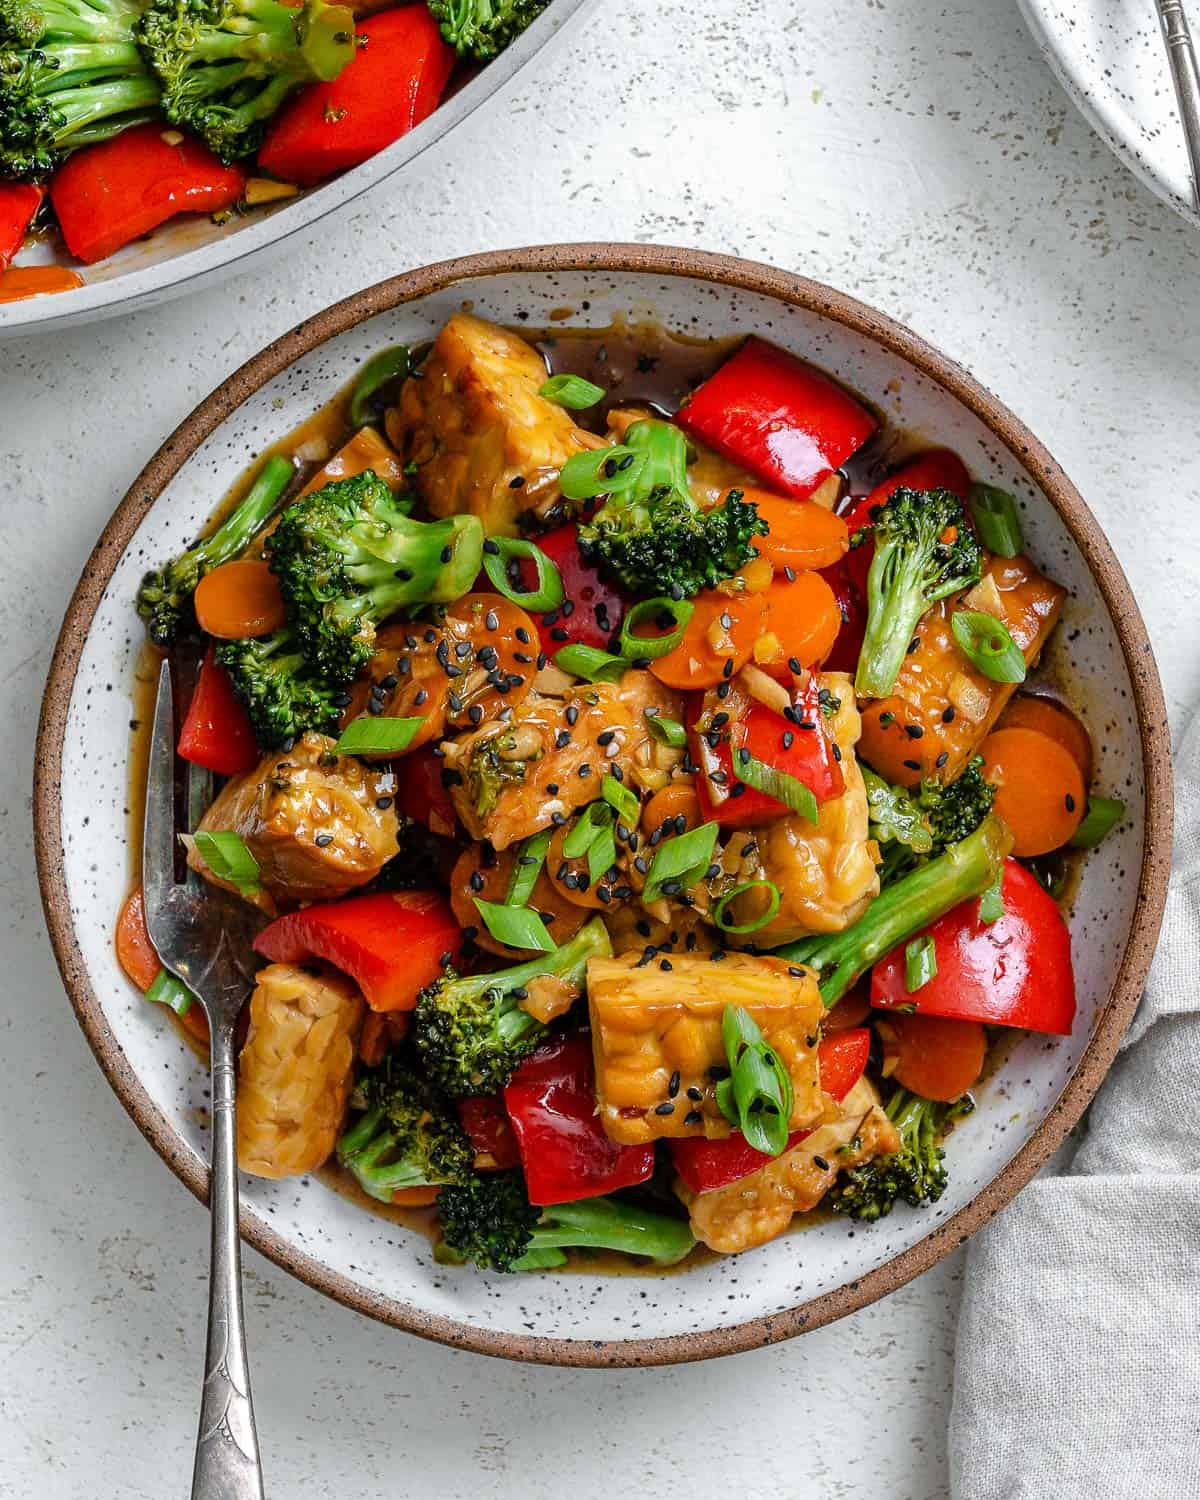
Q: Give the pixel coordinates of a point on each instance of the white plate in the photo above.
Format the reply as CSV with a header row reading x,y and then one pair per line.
x,y
724,1304
191,251
1110,57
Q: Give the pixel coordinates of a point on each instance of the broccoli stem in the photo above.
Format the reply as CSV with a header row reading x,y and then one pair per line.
x,y
83,109
896,600
604,1224
964,870
568,963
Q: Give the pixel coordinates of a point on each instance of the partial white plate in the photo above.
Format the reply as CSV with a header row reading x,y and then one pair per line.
x,y
1110,57
191,251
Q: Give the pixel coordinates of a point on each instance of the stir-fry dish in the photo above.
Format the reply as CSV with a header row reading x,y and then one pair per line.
x,y
644,787
116,115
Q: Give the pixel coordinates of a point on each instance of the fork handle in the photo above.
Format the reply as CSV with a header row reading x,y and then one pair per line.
x,y
227,1462
1182,56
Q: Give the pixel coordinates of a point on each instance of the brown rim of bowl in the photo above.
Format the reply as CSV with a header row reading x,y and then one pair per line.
x,y
747,276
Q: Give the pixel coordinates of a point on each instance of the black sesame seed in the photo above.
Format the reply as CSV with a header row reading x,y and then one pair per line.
x,y
323,840
517,482
475,713
374,706
695,1093
665,1109
942,759
914,731
383,803
1070,802
447,553
572,713
522,635
665,965
913,765
476,881
693,1117
947,716
552,788
492,548
562,739
819,1161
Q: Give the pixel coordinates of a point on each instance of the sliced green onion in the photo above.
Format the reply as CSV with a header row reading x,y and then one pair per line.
x,y
600,471
991,903
368,735
531,856
171,992
503,550
227,857
649,647
388,364
757,1096
572,391
517,926
1102,816
666,731
592,821
996,520
683,858
920,963
589,662
718,913
781,785
623,799
986,643
601,854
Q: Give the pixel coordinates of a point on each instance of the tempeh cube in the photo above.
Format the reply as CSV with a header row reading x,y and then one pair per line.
x,y
656,1034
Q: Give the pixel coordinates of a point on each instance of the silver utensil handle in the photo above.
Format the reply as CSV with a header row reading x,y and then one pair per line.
x,y
227,1462
1182,56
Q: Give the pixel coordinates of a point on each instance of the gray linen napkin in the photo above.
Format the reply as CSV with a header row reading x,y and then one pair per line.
x,y
1078,1359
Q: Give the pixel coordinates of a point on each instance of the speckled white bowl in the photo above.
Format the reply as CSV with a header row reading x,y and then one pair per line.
x,y
373,1264
1110,57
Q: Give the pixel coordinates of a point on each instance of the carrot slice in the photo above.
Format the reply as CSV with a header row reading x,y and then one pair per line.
x,y
1050,717
415,1197
1039,791
850,1011
680,797
802,533
238,600
803,618
135,951
936,1057
718,641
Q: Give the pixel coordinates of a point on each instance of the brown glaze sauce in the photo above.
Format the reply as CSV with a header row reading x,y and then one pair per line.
x,y
638,364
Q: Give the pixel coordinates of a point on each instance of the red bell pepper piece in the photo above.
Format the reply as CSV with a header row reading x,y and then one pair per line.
x,y
489,1130
216,733
706,1165
592,609
19,201
392,943
938,469
421,794
109,194
393,83
778,417
1015,971
803,752
566,1155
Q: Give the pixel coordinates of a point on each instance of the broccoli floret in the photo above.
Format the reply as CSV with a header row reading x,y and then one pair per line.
x,y
23,23
491,766
915,1174
227,65
489,1220
406,1137
283,696
63,94
472,1032
961,871
479,29
924,550
911,827
164,600
348,555
653,538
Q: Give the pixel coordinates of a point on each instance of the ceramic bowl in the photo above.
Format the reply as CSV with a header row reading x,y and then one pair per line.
x,y
191,251
1110,57
377,1266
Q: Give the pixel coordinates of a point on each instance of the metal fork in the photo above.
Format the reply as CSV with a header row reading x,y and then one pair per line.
x,y
1182,56
203,937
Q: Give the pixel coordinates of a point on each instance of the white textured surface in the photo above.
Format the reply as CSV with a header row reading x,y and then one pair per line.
x,y
919,156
